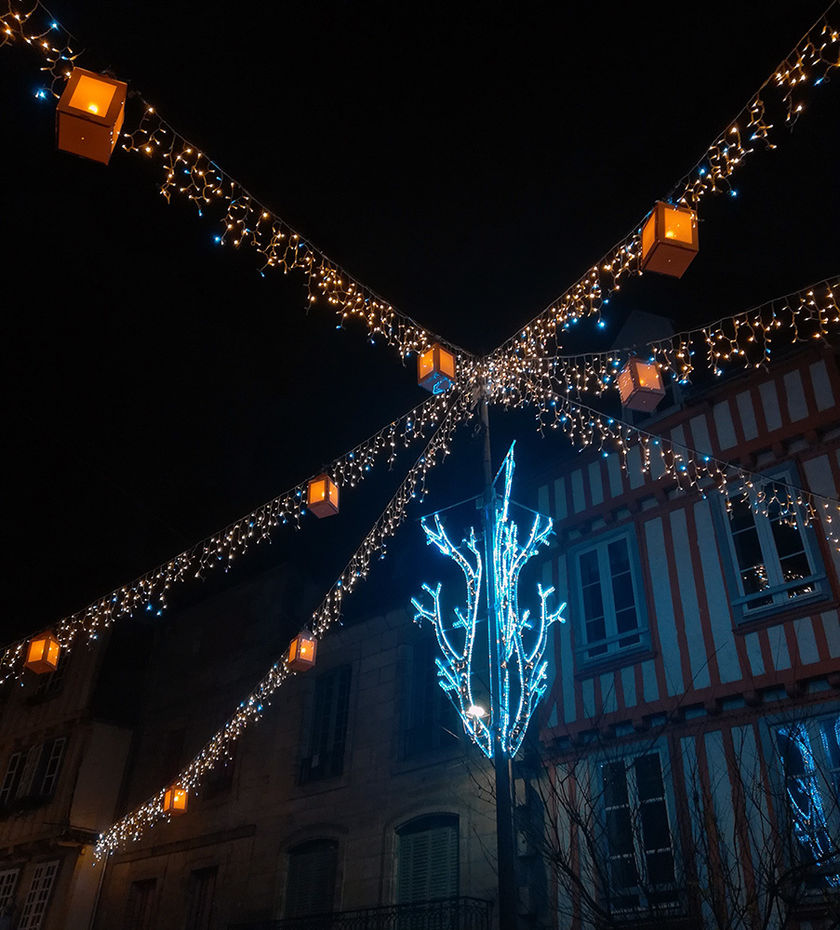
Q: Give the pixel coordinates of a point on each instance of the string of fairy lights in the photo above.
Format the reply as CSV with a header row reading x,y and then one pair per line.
x,y
526,369
245,221
218,749
688,469
150,591
785,90
744,339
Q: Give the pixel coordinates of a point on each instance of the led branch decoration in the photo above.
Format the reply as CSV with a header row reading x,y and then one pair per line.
x,y
522,669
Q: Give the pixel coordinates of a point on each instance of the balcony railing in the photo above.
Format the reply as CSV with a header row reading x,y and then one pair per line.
x,y
448,914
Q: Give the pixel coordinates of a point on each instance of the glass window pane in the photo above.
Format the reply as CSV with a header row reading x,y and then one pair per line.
x,y
655,833
623,873
619,556
660,868
614,775
589,573
649,777
619,832
593,605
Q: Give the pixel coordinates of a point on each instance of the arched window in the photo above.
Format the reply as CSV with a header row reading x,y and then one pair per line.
x,y
427,858
310,881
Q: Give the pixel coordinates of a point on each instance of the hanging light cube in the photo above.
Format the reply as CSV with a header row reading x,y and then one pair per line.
x,y
669,240
436,369
322,496
90,115
42,654
175,800
640,385
302,652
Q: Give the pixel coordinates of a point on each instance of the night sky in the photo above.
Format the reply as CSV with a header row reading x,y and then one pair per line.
x,y
467,161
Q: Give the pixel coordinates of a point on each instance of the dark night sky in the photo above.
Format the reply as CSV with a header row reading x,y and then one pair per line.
x,y
466,161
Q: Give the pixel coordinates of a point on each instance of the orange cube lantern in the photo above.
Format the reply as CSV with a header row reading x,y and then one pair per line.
x,y
175,800
640,385
302,652
322,496
669,240
90,115
42,653
436,369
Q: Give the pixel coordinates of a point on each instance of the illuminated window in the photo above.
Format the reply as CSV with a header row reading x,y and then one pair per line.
x,y
639,845
310,881
809,752
610,605
775,561
427,859
328,730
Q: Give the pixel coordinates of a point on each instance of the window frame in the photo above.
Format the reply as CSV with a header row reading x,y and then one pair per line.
x,y
426,824
615,656
811,722
35,896
334,765
425,735
331,844
629,759
738,600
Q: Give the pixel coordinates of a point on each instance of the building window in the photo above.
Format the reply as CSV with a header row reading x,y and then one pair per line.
x,y
809,753
138,910
430,717
32,774
10,779
325,757
427,859
8,884
612,620
310,881
38,896
639,847
200,892
774,557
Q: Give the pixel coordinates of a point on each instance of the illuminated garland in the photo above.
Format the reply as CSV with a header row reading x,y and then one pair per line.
x,y
326,615
150,590
745,339
520,666
692,470
806,66
191,174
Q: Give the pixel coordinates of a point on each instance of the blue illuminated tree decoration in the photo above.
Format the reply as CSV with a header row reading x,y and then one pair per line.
x,y
520,669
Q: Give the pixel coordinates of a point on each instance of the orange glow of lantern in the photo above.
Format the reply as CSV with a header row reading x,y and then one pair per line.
x,y
436,369
322,496
669,240
42,654
90,115
302,652
640,385
175,800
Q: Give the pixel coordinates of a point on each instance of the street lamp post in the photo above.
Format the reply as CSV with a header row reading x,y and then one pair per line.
x,y
505,863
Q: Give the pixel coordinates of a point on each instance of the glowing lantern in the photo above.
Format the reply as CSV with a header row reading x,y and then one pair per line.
x,y
436,369
322,496
302,652
175,800
640,385
42,654
90,115
669,240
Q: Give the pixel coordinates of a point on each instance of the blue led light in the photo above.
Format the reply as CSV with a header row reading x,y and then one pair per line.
x,y
521,670
41,94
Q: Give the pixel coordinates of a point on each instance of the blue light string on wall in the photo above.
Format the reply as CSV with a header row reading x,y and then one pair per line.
x,y
521,668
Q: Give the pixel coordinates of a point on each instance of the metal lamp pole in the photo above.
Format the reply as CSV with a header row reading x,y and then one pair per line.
x,y
501,763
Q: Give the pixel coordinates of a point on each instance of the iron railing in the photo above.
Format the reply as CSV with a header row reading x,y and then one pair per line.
x,y
446,914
